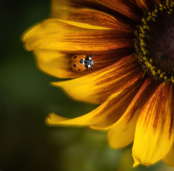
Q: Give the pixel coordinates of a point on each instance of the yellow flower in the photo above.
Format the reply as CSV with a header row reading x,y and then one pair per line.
x,y
131,43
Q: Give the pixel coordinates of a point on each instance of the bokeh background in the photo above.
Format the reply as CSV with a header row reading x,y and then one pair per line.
x,y
26,99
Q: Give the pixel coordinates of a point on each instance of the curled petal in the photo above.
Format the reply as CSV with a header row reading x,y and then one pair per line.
x,y
57,27
92,17
98,86
154,129
103,116
97,12
72,36
122,132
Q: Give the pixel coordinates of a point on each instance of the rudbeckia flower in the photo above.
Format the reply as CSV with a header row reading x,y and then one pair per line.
x,y
118,54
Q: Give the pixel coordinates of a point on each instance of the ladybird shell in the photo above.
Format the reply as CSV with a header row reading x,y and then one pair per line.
x,y
75,63
77,57
77,66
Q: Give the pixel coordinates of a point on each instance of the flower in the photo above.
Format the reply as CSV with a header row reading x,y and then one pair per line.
x,y
130,46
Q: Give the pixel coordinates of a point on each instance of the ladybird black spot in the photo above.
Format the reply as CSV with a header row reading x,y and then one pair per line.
x,y
74,65
79,69
75,57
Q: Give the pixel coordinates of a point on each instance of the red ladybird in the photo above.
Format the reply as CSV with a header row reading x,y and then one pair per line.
x,y
80,63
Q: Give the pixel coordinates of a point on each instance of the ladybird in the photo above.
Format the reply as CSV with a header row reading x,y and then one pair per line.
x,y
80,63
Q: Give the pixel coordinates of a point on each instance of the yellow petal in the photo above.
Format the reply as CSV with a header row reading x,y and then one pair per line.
x,y
98,116
98,86
53,63
58,64
44,28
97,18
122,132
136,163
128,8
169,158
104,115
54,34
154,129
118,105
88,16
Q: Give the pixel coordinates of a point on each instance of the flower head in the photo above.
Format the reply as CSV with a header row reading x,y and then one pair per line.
x,y
120,54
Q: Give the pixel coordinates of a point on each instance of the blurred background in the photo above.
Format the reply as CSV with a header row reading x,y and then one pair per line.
x,y
26,99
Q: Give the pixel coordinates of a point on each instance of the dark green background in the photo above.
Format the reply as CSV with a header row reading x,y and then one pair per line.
x,y
26,99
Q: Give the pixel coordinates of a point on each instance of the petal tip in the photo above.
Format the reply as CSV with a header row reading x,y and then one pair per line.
x,y
53,119
56,84
49,119
136,163
23,36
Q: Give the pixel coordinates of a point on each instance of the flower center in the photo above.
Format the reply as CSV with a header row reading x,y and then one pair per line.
x,y
154,43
